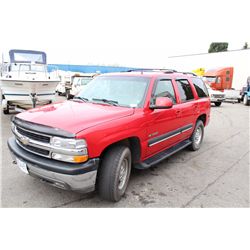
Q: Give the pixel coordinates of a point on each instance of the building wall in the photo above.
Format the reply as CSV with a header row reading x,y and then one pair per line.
x,y
239,59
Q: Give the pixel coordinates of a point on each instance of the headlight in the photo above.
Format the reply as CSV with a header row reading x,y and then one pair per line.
x,y
69,150
68,143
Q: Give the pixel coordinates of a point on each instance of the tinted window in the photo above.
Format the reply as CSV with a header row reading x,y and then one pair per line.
x,y
185,90
200,87
164,88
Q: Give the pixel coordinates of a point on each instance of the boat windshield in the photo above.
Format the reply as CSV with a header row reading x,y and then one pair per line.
x,y
27,56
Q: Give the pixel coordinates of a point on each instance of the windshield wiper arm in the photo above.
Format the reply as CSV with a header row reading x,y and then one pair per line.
x,y
112,102
80,98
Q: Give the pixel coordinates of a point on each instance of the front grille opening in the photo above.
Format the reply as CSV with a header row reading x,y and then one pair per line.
x,y
35,150
37,137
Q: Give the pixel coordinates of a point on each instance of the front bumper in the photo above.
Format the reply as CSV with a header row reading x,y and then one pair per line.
x,y
69,176
213,99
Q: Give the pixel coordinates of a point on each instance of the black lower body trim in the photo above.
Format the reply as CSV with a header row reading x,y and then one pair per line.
x,y
169,135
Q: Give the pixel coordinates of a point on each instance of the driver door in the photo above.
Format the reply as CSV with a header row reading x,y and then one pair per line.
x,y
163,124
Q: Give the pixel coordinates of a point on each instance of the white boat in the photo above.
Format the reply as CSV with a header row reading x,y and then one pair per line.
x,y
26,80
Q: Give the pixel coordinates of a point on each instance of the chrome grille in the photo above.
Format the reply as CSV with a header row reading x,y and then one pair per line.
x,y
35,150
33,135
33,141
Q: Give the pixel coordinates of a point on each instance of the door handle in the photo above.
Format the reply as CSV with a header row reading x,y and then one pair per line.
x,y
178,113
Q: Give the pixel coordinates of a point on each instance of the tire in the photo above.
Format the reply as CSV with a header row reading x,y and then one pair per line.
x,y
197,140
245,100
114,172
217,104
68,96
6,111
239,100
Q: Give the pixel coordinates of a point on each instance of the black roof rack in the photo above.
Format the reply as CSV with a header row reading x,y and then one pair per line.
x,y
148,70
189,73
166,71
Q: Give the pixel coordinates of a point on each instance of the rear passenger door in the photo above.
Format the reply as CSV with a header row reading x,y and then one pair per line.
x,y
188,106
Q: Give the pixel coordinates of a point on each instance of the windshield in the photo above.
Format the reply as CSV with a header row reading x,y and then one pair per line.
x,y
123,91
210,79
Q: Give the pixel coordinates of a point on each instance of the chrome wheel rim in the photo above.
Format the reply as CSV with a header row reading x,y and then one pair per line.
x,y
123,174
198,136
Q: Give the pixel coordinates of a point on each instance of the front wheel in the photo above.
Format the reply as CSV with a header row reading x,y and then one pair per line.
x,y
114,173
197,136
217,104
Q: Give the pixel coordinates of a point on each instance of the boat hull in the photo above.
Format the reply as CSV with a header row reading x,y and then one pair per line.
x,y
21,91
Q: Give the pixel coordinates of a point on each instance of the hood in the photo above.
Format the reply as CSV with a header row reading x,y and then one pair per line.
x,y
74,116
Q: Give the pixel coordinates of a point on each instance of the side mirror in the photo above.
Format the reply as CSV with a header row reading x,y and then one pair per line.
x,y
162,103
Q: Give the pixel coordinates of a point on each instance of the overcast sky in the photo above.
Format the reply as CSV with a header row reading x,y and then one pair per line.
x,y
128,33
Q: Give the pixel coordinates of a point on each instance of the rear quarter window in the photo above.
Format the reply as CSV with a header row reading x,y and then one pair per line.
x,y
200,87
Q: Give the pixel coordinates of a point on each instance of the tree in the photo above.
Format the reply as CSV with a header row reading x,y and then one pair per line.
x,y
245,45
217,47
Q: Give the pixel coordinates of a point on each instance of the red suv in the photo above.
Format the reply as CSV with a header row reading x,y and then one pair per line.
x,y
119,121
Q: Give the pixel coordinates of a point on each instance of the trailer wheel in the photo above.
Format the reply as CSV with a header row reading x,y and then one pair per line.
x,y
217,104
6,110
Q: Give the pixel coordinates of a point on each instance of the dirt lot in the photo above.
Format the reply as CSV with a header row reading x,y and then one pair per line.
x,y
215,176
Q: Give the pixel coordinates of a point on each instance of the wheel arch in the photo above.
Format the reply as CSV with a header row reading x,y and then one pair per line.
x,y
134,145
203,118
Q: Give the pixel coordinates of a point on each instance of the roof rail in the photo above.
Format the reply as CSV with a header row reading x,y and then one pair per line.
x,y
148,70
188,73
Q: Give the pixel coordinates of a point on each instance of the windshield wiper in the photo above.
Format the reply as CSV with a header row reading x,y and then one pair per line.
x,y
112,102
80,98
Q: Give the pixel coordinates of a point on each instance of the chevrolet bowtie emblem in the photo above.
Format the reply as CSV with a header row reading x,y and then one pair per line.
x,y
24,140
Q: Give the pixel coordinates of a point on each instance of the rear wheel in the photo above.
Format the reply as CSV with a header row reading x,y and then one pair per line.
x,y
217,104
114,173
197,136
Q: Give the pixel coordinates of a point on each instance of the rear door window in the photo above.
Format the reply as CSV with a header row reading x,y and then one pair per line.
x,y
200,87
185,90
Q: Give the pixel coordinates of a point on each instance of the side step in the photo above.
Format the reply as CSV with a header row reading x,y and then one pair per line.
x,y
162,155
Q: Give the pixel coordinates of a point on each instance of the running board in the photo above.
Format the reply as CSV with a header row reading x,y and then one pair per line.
x,y
162,155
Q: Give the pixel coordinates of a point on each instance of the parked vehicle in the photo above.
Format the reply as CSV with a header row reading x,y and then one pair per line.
x,y
65,79
245,93
79,83
119,121
76,83
216,96
25,80
222,79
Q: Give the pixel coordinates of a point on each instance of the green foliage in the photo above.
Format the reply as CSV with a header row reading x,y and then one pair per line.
x,y
217,47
